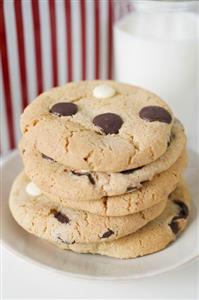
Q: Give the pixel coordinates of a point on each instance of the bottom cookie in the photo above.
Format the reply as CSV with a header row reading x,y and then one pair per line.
x,y
153,237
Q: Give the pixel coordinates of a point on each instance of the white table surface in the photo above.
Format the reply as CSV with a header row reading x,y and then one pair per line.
x,y
23,280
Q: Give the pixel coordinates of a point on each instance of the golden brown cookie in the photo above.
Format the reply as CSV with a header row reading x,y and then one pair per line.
x,y
85,130
49,220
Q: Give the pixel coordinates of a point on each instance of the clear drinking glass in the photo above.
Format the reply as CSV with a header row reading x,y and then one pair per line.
x,y
156,46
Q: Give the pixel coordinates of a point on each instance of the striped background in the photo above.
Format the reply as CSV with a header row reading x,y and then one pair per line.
x,y
46,43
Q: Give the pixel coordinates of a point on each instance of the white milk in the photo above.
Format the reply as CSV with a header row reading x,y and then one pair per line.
x,y
159,51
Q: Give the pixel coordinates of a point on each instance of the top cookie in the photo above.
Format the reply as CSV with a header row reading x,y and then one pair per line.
x,y
101,126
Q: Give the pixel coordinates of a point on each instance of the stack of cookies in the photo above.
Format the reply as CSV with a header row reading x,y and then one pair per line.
x,y
103,164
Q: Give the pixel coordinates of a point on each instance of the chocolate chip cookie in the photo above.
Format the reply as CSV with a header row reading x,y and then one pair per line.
x,y
78,185
153,237
100,126
46,219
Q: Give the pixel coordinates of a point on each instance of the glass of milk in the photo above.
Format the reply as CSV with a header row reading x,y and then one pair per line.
x,y
156,46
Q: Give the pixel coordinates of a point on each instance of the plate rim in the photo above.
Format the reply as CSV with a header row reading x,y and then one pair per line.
x,y
45,267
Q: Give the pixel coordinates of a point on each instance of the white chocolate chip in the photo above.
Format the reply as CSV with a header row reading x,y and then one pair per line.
x,y
32,189
103,91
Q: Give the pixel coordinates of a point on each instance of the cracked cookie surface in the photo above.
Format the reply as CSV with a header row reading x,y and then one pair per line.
x,y
46,219
129,129
94,185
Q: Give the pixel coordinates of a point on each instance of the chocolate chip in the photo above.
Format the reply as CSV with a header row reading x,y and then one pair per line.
x,y
130,171
184,210
60,217
182,214
155,113
110,123
65,242
169,143
107,234
90,177
46,157
174,225
64,109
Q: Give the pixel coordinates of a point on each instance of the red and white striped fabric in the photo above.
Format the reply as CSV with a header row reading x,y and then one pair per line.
x,y
45,43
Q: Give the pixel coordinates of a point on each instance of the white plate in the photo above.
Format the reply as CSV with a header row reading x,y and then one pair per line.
x,y
47,256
